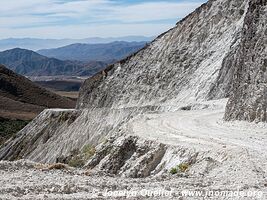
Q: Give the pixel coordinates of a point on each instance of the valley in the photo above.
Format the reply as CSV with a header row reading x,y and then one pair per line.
x,y
21,101
61,85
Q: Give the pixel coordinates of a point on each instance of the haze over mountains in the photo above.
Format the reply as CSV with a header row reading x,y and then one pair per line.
x,y
36,43
73,60
30,63
98,52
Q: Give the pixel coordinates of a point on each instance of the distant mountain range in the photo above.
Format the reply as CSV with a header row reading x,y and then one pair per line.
x,y
98,52
30,63
36,43
72,60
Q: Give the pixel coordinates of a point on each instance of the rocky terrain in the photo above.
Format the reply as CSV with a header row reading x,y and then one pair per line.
x,y
172,152
249,97
182,65
155,119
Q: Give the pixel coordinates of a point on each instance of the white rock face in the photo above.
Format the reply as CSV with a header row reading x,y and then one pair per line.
x,y
55,133
181,65
248,99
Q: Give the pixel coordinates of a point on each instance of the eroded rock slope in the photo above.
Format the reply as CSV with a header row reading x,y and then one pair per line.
x,y
248,100
181,65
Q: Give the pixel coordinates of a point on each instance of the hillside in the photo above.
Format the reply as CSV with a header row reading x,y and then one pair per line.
x,y
20,98
179,67
88,52
21,101
177,70
30,63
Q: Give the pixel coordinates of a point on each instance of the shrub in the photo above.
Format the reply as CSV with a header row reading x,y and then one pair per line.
x,y
174,170
88,151
80,157
57,166
183,167
9,128
76,162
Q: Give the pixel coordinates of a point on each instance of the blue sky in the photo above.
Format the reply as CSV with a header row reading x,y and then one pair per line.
x,y
90,18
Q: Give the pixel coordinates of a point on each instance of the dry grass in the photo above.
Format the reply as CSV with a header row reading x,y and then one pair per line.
x,y
88,173
11,109
55,166
17,115
72,95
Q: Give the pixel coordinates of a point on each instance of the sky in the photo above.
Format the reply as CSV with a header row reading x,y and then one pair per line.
x,y
90,18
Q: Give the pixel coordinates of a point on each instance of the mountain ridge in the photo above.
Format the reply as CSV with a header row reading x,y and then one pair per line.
x,y
36,43
19,88
30,63
195,63
94,52
72,60
22,99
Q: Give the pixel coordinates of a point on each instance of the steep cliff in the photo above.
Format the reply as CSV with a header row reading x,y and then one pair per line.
x,y
181,65
248,99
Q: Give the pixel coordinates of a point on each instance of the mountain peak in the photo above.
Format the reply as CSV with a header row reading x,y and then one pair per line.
x,y
17,49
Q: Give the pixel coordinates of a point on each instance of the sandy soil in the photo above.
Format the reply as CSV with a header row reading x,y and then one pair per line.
x,y
201,128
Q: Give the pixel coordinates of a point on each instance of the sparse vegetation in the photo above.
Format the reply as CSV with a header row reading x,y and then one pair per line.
x,y
104,140
79,158
77,161
183,167
174,170
57,166
88,151
8,128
